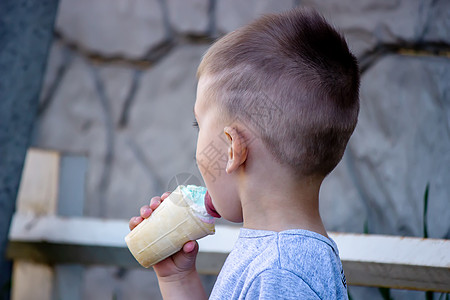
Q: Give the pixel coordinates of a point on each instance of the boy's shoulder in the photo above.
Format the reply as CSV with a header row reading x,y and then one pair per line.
x,y
295,250
290,258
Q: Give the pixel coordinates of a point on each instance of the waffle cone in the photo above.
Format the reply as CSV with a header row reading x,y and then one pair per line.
x,y
165,232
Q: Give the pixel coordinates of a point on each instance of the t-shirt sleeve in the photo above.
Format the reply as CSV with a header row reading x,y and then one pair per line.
x,y
279,284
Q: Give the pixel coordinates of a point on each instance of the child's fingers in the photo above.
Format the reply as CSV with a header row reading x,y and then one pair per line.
x,y
189,246
134,221
165,195
155,202
146,211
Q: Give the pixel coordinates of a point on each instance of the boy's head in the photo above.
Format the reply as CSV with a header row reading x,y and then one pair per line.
x,y
293,81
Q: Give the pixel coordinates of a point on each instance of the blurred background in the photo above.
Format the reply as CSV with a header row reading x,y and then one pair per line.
x,y
120,86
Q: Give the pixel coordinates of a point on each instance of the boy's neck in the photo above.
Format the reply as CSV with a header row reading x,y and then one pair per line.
x,y
270,201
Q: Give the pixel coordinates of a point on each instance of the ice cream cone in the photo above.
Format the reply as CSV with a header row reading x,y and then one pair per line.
x,y
176,221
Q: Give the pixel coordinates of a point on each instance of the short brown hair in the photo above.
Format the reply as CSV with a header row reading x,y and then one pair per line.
x,y
292,78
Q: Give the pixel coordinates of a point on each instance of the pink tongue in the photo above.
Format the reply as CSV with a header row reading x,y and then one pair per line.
x,y
210,207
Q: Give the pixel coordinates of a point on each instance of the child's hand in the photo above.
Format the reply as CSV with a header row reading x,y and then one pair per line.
x,y
147,210
180,264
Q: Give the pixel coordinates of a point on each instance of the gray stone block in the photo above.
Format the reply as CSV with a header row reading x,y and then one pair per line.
x,y
189,16
74,121
162,116
402,142
341,206
368,23
131,162
73,110
112,28
59,58
232,14
435,21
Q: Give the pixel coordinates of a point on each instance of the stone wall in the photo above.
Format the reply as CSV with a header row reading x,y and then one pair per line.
x,y
120,87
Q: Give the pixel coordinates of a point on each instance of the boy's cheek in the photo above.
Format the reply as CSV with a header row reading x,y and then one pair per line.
x,y
212,162
212,170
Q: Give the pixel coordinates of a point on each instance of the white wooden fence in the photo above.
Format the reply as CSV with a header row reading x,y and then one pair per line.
x,y
40,238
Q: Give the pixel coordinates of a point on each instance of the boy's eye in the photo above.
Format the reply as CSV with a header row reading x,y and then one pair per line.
x,y
195,124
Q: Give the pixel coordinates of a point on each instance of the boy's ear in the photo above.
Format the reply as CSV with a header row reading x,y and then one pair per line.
x,y
237,149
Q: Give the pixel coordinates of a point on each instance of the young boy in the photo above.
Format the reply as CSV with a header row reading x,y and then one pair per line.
x,y
279,98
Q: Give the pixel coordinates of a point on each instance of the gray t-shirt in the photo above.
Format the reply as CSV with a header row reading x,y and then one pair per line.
x,y
292,264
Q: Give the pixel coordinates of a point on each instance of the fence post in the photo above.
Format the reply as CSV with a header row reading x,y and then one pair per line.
x,y
52,184
38,195
69,277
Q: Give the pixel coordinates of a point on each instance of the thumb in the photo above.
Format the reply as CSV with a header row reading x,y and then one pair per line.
x,y
189,247
185,259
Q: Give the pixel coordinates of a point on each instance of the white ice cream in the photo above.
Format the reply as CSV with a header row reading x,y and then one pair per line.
x,y
195,196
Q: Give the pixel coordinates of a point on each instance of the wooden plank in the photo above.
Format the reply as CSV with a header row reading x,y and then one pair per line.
x,y
68,230
40,284
37,196
56,240
56,253
38,192
395,262
369,260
